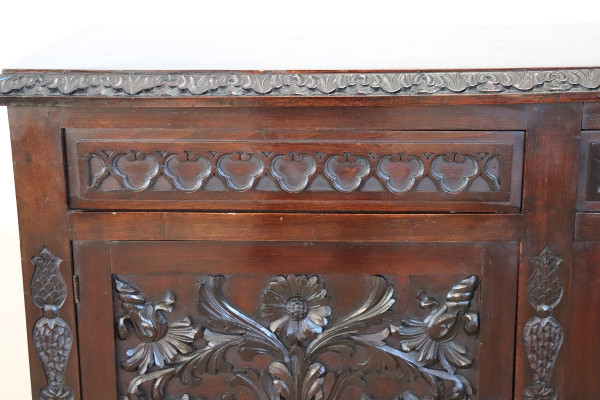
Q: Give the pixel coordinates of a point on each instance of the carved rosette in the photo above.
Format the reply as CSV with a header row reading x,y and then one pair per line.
x,y
52,337
295,333
543,335
218,84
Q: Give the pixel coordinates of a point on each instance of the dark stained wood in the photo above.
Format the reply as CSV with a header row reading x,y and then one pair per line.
x,y
233,257
587,176
300,118
584,318
155,267
294,226
454,171
168,239
586,227
502,271
549,216
92,263
333,101
591,116
41,192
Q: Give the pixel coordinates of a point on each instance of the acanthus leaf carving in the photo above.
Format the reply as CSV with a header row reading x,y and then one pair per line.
x,y
300,304
52,336
234,84
160,340
433,337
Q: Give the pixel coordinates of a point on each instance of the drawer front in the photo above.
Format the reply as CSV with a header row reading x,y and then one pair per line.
x,y
362,171
255,320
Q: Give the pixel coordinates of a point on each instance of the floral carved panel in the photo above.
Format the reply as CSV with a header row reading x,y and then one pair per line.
x,y
291,343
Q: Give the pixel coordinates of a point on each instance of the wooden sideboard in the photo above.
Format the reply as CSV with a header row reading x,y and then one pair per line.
x,y
309,235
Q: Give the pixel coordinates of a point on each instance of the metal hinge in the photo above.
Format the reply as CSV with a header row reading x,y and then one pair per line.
x,y
76,297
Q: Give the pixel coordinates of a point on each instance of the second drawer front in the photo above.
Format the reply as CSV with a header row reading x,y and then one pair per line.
x,y
366,171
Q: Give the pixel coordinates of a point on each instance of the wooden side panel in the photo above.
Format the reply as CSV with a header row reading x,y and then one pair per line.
x,y
549,188
41,202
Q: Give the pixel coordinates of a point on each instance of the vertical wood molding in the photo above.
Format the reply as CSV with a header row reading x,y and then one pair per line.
x,y
41,192
99,349
548,209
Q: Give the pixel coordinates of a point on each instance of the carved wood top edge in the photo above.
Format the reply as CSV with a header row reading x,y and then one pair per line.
x,y
243,84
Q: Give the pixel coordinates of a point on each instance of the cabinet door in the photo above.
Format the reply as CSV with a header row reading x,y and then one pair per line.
x,y
296,320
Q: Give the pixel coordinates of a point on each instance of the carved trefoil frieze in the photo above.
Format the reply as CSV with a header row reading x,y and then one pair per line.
x,y
296,332
296,172
52,337
543,334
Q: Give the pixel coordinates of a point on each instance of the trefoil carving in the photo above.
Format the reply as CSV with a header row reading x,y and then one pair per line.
x,y
293,172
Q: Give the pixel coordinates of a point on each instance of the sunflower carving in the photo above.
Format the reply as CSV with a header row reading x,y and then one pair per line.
x,y
297,307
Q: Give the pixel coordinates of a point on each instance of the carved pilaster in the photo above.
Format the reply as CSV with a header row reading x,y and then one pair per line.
x,y
543,335
52,336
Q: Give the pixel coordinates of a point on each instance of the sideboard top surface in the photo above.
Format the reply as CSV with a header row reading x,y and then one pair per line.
x,y
101,62
106,48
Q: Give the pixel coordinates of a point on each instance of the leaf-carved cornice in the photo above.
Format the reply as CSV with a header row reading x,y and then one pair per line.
x,y
237,84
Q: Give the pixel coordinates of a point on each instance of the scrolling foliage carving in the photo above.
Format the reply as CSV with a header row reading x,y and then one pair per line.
x,y
543,335
297,331
124,84
52,337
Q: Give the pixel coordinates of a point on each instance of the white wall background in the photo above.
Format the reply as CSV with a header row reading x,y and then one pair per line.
x,y
27,26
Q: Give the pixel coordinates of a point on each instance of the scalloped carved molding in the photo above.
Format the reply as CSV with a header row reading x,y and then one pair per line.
x,y
295,330
119,84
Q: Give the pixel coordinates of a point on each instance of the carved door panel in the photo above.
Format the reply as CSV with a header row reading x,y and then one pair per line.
x,y
296,321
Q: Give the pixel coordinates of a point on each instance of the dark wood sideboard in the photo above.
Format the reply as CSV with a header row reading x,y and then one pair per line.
x,y
388,235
